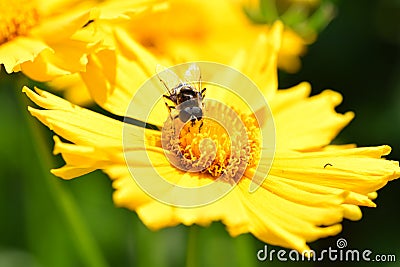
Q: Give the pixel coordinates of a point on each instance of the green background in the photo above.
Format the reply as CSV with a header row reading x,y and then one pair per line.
x,y
49,222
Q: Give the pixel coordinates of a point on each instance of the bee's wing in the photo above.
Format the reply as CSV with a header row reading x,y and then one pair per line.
x,y
168,78
193,76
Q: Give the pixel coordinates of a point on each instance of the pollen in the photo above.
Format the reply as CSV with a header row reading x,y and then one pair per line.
x,y
16,19
222,144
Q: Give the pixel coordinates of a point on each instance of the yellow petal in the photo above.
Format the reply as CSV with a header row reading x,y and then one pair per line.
x,y
308,123
323,190
289,97
112,10
292,47
80,160
69,56
113,78
286,223
53,7
20,50
127,193
229,209
113,86
41,69
352,212
97,140
373,195
61,27
260,61
74,123
360,170
73,89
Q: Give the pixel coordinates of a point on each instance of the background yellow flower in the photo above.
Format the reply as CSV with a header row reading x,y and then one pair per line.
x,y
207,30
48,39
191,30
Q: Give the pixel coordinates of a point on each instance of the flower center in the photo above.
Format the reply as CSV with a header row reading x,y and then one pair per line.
x,y
223,143
16,18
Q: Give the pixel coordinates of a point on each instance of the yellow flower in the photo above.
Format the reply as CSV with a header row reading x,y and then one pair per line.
x,y
188,30
195,30
47,39
311,186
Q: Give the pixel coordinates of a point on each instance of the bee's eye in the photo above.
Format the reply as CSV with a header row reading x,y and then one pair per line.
x,y
184,114
197,112
190,113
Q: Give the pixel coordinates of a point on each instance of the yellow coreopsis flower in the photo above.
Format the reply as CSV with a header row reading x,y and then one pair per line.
x,y
189,30
47,39
208,30
310,188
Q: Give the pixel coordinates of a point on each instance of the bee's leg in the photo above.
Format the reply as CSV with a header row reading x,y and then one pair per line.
x,y
169,110
169,107
201,125
203,93
173,120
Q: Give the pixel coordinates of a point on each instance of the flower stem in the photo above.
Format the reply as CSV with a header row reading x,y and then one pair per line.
x,y
85,244
192,247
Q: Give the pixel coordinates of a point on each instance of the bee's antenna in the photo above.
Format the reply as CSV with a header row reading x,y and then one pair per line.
x,y
200,83
165,85
160,69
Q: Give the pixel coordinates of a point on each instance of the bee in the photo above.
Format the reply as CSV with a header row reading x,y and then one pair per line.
x,y
185,96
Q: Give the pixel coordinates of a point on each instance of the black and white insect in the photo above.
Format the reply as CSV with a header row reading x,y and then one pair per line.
x,y
185,96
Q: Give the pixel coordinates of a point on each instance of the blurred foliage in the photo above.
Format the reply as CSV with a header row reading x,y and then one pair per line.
x,y
307,18
49,222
